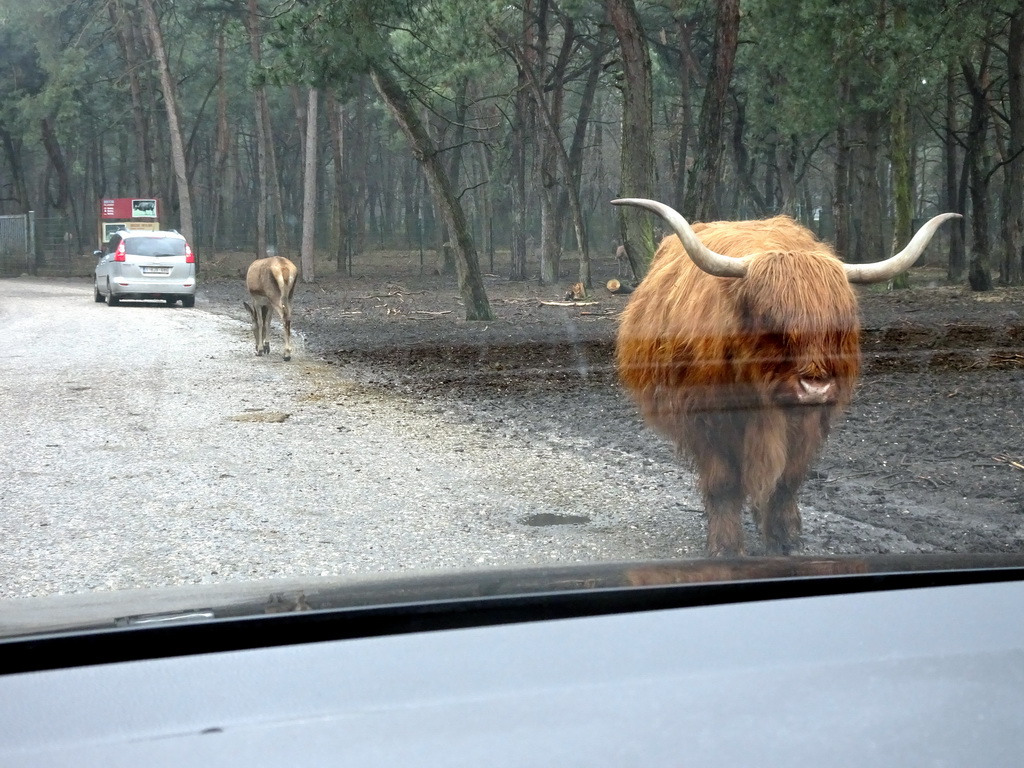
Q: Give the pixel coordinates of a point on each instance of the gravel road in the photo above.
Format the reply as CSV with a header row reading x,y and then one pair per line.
x,y
147,446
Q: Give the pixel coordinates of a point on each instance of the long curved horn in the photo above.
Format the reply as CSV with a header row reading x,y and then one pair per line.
x,y
711,262
887,269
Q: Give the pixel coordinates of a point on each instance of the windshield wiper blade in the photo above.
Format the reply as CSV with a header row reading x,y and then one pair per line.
x,y
149,619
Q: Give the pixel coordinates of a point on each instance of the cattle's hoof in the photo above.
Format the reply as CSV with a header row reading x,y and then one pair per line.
x,y
718,552
783,548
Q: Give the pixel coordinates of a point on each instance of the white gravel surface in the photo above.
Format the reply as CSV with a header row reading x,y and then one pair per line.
x,y
147,446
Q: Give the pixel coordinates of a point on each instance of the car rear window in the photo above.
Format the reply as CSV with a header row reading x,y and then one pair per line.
x,y
155,246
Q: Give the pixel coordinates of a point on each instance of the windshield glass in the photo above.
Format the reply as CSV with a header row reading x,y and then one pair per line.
x,y
155,246
421,335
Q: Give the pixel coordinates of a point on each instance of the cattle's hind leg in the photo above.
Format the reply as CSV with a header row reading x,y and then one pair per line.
x,y
779,519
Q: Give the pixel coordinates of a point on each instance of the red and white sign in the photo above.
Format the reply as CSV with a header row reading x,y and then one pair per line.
x,y
128,208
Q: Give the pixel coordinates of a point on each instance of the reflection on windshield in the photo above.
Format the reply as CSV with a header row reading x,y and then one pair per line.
x,y
155,246
490,366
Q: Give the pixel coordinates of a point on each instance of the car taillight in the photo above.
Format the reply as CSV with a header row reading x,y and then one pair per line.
x,y
189,257
119,253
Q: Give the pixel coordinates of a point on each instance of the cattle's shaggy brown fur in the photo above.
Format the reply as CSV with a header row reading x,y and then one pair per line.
x,y
716,365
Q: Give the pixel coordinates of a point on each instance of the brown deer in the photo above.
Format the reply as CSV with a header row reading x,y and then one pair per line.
x,y
625,269
271,283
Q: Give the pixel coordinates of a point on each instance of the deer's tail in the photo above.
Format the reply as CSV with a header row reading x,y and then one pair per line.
x,y
285,280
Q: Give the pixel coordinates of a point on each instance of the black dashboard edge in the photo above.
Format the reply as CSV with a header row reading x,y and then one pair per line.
x,y
88,647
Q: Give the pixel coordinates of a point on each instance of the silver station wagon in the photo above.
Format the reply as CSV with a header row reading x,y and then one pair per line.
x,y
143,264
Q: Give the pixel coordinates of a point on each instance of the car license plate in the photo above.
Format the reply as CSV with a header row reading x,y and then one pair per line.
x,y
156,270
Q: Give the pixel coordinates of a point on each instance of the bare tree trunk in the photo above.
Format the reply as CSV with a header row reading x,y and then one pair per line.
x,y
1011,268
841,201
870,240
685,120
309,191
900,151
14,161
555,157
274,179
459,138
157,164
744,165
253,25
468,266
221,185
487,224
785,160
517,265
56,156
637,158
701,201
336,120
126,42
574,164
521,129
173,122
300,103
359,148
533,69
979,274
951,197
271,181
447,266
550,224
550,230
445,251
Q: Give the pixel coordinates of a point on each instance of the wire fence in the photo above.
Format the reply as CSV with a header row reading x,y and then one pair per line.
x,y
41,246
16,243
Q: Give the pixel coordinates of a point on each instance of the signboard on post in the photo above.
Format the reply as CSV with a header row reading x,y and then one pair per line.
x,y
110,227
127,213
128,208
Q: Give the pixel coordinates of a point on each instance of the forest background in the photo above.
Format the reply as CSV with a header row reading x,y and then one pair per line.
x,y
476,130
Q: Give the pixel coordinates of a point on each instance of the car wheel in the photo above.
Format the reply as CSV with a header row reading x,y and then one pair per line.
x,y
112,300
188,301
171,300
96,295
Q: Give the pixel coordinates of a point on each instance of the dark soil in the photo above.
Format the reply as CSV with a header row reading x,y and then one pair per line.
x,y
931,452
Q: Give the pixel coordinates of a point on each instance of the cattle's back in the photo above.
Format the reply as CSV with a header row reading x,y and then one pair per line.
x,y
742,238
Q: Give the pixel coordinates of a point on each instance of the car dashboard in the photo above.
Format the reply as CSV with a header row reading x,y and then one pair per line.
x,y
882,668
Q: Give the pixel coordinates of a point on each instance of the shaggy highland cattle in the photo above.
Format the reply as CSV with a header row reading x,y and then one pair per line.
x,y
741,345
271,283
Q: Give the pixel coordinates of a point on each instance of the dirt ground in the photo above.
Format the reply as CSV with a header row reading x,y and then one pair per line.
x,y
931,451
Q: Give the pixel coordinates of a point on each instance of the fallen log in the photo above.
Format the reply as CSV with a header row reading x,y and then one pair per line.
x,y
618,288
